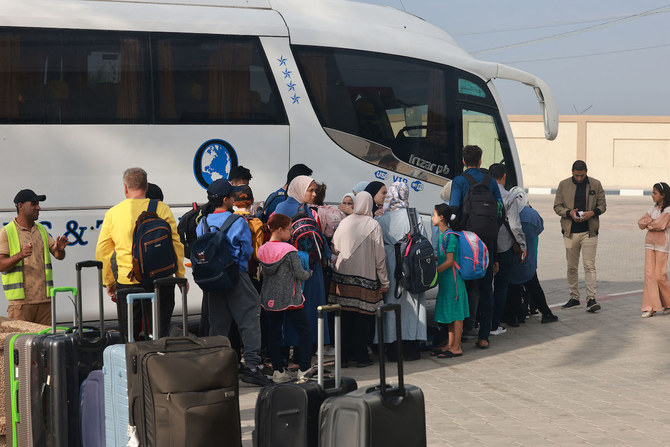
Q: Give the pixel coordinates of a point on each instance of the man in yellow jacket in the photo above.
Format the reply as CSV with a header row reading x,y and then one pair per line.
x,y
25,261
116,237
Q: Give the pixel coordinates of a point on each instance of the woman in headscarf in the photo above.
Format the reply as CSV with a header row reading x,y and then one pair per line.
x,y
301,194
395,226
378,192
359,278
358,187
524,274
347,205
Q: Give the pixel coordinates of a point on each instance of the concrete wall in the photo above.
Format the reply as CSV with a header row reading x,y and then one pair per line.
x,y
627,153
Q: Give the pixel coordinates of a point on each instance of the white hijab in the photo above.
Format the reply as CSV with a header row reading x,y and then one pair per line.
x,y
298,188
355,228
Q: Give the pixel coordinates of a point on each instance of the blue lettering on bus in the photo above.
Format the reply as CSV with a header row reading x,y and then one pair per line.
x,y
46,223
417,186
397,178
72,226
382,175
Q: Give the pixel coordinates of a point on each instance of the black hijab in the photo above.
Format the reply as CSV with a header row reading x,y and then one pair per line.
x,y
373,188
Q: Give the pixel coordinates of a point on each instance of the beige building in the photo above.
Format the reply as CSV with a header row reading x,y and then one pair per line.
x,y
626,153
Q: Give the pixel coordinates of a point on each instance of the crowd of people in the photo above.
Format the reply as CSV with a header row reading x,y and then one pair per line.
x,y
348,256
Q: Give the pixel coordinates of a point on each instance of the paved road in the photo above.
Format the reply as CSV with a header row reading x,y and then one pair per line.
x,y
589,379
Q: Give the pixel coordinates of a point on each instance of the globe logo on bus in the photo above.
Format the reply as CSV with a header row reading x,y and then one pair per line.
x,y
213,160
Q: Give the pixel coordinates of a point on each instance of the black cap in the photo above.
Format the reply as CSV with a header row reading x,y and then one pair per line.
x,y
154,192
28,195
222,188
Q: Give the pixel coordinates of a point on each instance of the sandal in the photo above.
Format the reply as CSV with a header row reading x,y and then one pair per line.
x,y
447,354
648,313
437,350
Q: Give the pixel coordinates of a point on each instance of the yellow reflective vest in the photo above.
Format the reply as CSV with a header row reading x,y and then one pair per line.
x,y
12,281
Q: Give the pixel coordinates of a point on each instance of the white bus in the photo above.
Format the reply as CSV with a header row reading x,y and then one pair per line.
x,y
189,88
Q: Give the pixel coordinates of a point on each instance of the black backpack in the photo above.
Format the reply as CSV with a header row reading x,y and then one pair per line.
x,y
186,228
415,263
153,252
480,210
214,267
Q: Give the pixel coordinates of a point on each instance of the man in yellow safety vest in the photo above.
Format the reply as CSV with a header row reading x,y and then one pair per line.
x,y
25,261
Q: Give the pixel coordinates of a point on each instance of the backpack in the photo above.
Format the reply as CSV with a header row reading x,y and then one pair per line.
x,y
415,264
306,235
153,252
257,239
214,267
275,198
473,256
480,209
330,217
186,228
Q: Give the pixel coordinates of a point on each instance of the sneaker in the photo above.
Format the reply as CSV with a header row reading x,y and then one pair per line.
x,y
282,376
647,314
254,377
549,318
572,303
666,311
500,330
592,305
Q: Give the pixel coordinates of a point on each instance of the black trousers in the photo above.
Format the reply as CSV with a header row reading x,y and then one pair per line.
x,y
356,329
517,306
143,307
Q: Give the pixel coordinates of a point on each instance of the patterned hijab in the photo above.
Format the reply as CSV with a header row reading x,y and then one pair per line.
x,y
397,197
520,195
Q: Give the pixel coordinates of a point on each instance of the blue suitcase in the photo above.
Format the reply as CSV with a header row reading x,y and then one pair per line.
x,y
116,376
92,410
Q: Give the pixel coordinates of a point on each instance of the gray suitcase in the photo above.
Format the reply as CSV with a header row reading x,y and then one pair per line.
x,y
379,416
183,391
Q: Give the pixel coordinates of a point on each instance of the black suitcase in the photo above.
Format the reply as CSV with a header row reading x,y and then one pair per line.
x,y
287,415
182,391
64,361
379,416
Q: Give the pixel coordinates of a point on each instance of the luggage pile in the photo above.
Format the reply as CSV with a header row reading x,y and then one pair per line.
x,y
84,387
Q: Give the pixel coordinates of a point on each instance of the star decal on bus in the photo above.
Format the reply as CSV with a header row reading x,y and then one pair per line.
x,y
286,73
291,86
295,98
282,60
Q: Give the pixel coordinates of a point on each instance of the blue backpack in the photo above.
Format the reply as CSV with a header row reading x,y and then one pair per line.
x,y
153,252
214,268
473,256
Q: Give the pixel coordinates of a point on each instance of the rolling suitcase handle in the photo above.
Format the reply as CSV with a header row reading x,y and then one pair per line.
x,y
171,281
387,391
322,311
131,298
85,264
54,292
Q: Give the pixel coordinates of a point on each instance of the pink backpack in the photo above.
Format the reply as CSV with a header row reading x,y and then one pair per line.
x,y
330,217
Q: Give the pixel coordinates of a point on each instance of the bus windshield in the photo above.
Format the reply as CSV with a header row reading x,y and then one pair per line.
x,y
418,113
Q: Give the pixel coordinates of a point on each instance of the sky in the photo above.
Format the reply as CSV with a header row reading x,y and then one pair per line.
x,y
599,57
